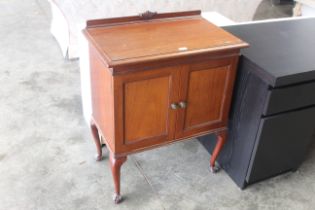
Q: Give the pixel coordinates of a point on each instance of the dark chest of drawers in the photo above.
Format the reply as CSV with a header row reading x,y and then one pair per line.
x,y
273,113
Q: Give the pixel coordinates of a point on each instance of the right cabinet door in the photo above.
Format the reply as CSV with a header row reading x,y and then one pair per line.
x,y
206,90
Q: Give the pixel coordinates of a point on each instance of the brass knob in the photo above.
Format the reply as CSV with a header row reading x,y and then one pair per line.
x,y
174,106
183,104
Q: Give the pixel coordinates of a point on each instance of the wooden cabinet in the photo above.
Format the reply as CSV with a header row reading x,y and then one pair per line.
x,y
152,87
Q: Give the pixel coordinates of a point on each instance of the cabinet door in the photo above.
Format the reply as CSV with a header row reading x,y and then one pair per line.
x,y
207,89
142,108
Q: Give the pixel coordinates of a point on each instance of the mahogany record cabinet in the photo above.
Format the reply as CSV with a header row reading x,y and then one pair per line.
x,y
158,79
272,122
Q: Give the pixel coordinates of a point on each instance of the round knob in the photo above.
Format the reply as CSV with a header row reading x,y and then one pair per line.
x,y
183,104
174,106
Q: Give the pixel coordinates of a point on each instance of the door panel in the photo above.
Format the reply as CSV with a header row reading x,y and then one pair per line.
x,y
207,90
144,110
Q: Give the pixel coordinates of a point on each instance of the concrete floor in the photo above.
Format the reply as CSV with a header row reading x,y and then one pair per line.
x,y
46,150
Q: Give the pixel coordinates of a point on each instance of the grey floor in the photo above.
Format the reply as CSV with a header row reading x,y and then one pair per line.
x,y
46,151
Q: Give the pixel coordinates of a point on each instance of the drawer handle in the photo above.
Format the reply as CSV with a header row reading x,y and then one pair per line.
x,y
174,106
183,104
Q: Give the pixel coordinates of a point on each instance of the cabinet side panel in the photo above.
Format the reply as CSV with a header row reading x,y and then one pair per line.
x,y
102,97
248,101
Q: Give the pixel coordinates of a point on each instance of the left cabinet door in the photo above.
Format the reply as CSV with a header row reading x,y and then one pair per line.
x,y
143,114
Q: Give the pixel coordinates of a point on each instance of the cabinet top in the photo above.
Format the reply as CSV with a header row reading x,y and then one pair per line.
x,y
152,37
283,51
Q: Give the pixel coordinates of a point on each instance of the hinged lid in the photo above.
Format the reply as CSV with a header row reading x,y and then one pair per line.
x,y
152,36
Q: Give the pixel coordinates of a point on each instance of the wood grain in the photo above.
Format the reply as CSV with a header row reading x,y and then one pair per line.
x,y
102,98
143,73
97,140
221,139
146,108
131,19
207,89
142,105
157,39
115,165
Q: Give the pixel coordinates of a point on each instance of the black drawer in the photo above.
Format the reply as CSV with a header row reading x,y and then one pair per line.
x,y
289,98
281,144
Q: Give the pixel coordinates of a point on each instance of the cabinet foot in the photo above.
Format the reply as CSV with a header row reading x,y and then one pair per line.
x,y
115,165
97,141
117,198
221,138
214,169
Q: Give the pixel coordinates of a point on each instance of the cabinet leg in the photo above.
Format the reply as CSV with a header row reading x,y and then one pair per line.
x,y
115,165
97,141
221,138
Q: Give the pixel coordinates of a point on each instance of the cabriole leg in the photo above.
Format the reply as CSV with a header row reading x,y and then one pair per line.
x,y
97,141
221,138
115,165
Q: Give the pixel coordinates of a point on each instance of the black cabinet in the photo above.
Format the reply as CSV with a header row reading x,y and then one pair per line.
x,y
273,112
